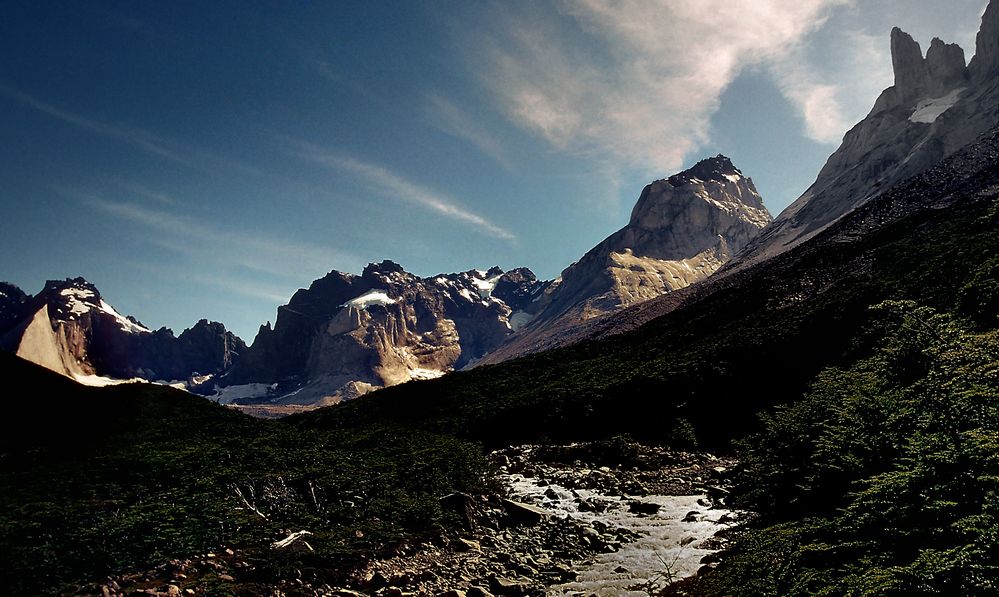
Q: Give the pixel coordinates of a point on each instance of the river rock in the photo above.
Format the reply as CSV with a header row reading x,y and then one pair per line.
x,y
637,507
521,513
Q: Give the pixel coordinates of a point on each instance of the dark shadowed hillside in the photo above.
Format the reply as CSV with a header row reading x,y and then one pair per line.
x,y
103,481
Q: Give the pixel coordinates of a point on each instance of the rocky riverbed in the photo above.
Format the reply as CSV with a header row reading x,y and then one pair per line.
x,y
598,518
659,498
609,518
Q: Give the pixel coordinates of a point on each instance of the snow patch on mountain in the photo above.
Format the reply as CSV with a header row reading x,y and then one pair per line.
x,y
928,111
375,297
77,300
486,286
249,391
423,373
126,324
101,381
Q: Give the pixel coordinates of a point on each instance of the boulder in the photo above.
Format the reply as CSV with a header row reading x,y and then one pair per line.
x,y
637,507
521,513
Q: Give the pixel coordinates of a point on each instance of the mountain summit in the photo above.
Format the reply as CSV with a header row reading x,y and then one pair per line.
x,y
936,106
682,230
69,328
347,334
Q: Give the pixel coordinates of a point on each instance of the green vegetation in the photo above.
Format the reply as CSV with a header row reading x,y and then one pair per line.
x,y
97,482
884,479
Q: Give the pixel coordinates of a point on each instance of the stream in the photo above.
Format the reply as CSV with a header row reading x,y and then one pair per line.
x,y
672,540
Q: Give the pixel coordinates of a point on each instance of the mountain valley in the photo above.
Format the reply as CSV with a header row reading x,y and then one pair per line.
x,y
710,401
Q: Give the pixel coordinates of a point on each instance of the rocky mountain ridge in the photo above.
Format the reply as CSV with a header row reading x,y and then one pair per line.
x,y
69,328
889,146
682,229
347,334
936,106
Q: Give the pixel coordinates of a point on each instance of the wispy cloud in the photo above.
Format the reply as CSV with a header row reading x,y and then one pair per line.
x,y
637,80
134,136
388,184
831,99
270,294
249,250
454,121
330,73
264,293
140,138
147,193
229,254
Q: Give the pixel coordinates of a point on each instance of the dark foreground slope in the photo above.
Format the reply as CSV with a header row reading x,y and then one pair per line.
x,y
705,370
884,478
95,482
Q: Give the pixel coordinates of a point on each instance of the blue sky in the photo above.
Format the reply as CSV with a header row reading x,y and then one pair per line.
x,y
207,159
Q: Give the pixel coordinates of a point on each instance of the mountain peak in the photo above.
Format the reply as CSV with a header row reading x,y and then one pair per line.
x,y
70,298
719,168
945,63
12,292
12,300
906,61
660,204
941,70
936,106
985,64
385,267
77,286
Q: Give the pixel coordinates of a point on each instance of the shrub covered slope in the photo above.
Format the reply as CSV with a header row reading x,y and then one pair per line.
x,y
99,481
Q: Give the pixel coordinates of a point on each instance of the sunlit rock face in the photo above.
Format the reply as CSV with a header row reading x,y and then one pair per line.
x,y
936,106
347,334
70,328
682,229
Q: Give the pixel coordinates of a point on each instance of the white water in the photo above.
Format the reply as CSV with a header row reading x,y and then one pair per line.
x,y
669,548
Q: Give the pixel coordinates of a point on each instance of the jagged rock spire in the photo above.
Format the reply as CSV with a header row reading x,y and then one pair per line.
x,y
985,65
942,69
906,61
945,63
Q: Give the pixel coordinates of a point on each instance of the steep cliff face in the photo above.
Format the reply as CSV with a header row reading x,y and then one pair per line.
x,y
682,229
936,106
348,334
69,328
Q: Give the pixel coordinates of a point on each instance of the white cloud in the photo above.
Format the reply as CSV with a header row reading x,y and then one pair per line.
x,y
454,121
224,249
392,185
638,80
833,98
263,293
136,137
142,191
